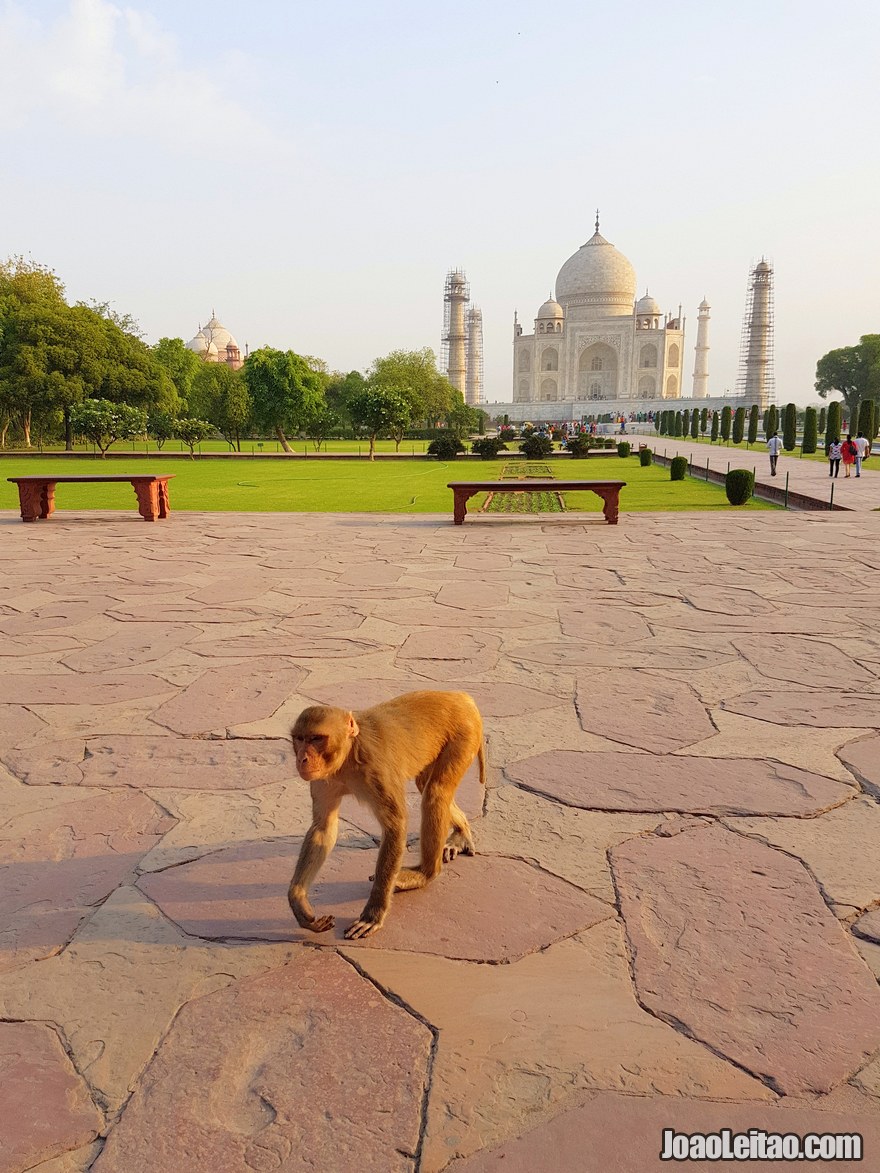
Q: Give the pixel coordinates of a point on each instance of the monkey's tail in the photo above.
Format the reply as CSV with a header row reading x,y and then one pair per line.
x,y
481,757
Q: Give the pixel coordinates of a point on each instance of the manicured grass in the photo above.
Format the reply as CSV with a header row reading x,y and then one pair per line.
x,y
341,487
256,447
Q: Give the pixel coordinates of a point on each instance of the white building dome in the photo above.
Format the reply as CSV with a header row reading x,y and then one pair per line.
x,y
647,305
551,309
199,344
218,334
597,282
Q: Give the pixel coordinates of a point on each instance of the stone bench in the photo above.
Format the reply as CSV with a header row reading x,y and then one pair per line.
x,y
36,494
609,491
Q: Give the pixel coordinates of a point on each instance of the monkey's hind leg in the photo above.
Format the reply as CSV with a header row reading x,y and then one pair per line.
x,y
460,841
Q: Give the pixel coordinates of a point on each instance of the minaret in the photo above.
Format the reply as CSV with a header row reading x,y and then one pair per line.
x,y
701,357
756,381
455,297
474,385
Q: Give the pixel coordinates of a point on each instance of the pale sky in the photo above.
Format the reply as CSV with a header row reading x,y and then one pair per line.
x,y
311,171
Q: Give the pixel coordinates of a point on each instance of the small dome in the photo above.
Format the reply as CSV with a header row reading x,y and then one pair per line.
x,y
704,305
551,309
647,305
598,279
199,344
762,267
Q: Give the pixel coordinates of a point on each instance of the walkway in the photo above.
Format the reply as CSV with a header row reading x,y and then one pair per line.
x,y
805,476
673,921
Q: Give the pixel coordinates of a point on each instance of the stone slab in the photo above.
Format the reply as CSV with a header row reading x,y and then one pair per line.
x,y
51,616
239,588
283,643
804,661
134,644
18,724
448,653
45,1106
868,926
651,654
534,1032
609,1133
185,612
231,695
641,710
144,762
59,862
821,709
473,594
732,940
841,849
312,1032
71,688
605,625
863,758
484,908
642,782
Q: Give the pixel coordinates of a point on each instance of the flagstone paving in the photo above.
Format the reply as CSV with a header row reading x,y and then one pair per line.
x,y
673,919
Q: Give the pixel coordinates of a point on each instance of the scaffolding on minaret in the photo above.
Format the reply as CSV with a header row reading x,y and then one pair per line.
x,y
453,347
756,381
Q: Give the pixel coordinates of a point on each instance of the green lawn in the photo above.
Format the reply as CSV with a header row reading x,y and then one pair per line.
x,y
340,486
256,447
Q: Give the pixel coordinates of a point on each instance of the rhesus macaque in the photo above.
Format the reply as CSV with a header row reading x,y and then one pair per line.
x,y
430,736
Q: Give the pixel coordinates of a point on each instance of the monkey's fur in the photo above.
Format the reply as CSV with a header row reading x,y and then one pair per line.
x,y
430,736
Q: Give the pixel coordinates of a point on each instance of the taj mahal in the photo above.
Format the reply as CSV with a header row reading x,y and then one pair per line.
x,y
596,347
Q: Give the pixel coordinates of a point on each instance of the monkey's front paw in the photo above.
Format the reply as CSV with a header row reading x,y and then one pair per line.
x,y
363,926
321,924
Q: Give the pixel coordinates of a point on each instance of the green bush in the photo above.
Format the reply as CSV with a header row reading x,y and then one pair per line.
x,y
772,420
445,447
704,420
678,468
695,424
657,418
811,435
685,422
488,447
822,414
832,426
753,424
726,416
714,436
789,427
677,427
739,484
739,425
536,446
578,446
646,456
866,419
623,448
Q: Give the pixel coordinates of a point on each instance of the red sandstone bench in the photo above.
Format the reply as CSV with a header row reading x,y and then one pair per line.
x,y
36,494
609,491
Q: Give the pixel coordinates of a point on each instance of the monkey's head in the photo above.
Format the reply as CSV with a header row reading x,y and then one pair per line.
x,y
322,738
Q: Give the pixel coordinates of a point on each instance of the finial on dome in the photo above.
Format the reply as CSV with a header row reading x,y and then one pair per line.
x,y
597,219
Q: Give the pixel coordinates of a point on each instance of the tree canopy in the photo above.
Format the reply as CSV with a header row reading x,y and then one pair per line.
x,y
414,374
379,409
284,389
852,371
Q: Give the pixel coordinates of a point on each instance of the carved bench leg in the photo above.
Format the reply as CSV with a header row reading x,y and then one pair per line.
x,y
148,500
610,506
30,498
459,505
164,503
47,500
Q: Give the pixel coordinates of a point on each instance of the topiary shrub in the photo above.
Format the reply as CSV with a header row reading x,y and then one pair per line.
x,y
739,484
789,427
646,457
623,449
536,446
832,424
714,436
578,446
488,447
445,447
678,468
753,424
726,417
811,434
739,425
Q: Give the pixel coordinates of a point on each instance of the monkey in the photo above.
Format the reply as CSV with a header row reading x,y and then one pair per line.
x,y
371,754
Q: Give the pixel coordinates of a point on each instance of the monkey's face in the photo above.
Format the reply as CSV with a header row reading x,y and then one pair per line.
x,y
322,739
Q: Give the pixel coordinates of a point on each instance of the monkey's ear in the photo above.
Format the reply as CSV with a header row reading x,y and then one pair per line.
x,y
353,730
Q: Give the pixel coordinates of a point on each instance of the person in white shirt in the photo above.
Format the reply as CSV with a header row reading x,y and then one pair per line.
x,y
835,448
774,446
864,451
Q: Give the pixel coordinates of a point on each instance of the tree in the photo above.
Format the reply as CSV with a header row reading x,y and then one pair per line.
x,y
695,424
460,418
180,365
753,424
822,414
726,415
704,420
739,425
321,426
789,427
852,371
772,424
192,432
678,428
284,390
104,422
832,424
810,438
714,435
685,422
414,374
160,426
219,394
378,409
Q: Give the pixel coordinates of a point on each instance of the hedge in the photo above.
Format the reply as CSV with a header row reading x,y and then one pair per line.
x,y
789,427
623,449
739,485
646,456
811,434
678,468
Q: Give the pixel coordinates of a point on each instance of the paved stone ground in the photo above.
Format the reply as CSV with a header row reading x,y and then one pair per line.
x,y
805,476
674,920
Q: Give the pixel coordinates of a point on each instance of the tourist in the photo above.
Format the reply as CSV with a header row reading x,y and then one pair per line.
x,y
864,451
849,453
774,447
834,449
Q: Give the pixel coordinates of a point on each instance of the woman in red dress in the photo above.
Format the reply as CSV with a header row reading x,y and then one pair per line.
x,y
849,454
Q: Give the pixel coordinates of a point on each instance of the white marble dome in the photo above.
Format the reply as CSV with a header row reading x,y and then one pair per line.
x,y
647,305
598,281
218,334
551,309
199,344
